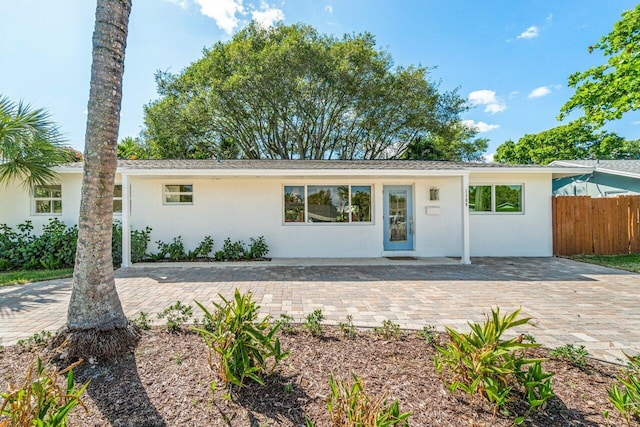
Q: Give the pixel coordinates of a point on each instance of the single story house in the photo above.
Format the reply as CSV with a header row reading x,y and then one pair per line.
x,y
601,178
324,208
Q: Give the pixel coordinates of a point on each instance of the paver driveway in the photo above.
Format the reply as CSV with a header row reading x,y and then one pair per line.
x,y
569,302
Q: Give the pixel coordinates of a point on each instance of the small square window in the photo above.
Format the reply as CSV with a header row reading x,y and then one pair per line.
x,y
178,194
47,199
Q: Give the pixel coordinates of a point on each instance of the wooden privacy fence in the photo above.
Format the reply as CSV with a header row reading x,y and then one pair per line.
x,y
599,226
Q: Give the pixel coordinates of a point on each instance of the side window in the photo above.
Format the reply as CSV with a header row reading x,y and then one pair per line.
x,y
178,194
117,198
495,198
47,199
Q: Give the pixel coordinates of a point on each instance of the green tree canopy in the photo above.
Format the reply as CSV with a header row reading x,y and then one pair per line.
x,y
290,92
575,140
456,143
607,91
30,144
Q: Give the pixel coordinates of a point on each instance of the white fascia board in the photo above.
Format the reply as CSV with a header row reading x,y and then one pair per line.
x,y
290,172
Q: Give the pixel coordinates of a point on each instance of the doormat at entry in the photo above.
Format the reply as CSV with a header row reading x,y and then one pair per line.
x,y
402,258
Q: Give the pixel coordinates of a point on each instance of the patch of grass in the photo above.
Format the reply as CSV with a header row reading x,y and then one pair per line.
x,y
21,277
629,262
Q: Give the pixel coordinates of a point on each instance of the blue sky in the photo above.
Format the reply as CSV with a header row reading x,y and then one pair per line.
x,y
510,59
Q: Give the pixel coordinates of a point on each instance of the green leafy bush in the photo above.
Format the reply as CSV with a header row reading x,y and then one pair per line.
x,y
347,328
55,246
203,250
428,333
177,315
388,330
139,243
285,323
626,398
241,344
313,322
258,248
40,401
480,362
37,340
350,405
142,321
576,356
233,251
173,250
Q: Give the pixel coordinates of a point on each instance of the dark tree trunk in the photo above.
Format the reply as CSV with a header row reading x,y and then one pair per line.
x,y
96,324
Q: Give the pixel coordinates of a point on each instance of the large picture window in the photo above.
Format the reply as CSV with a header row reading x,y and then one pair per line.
x,y
47,199
495,198
327,203
178,194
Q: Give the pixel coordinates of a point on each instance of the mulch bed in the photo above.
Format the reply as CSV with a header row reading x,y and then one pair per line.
x,y
167,383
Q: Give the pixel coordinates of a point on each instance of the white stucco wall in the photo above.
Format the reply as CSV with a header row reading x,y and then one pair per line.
x,y
241,208
517,234
16,204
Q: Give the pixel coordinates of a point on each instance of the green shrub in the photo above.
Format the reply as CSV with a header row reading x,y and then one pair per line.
x,y
142,321
173,250
177,315
258,248
428,333
241,344
39,339
55,247
347,328
479,362
576,356
233,251
388,330
313,322
285,323
203,250
350,405
40,401
627,398
139,242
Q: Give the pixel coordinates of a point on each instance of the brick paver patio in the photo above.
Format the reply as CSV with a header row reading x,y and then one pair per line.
x,y
569,302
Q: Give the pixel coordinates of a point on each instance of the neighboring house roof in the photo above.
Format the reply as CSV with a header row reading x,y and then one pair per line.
x,y
629,168
276,166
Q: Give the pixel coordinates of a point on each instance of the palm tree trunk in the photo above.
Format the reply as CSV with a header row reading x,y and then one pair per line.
x,y
96,324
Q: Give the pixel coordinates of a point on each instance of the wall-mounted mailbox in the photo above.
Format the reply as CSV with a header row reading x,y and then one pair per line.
x,y
433,210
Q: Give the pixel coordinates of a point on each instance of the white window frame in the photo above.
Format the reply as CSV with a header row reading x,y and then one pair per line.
x,y
50,199
165,193
322,224
493,198
118,198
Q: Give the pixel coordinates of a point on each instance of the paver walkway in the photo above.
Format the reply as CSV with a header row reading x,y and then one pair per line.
x,y
569,302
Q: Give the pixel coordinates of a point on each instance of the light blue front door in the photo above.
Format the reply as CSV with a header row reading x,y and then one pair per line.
x,y
398,218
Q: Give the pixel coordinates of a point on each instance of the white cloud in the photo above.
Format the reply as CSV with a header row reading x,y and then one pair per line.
x,y
487,98
182,3
267,16
329,9
529,33
549,17
480,126
489,157
637,122
512,94
541,91
223,12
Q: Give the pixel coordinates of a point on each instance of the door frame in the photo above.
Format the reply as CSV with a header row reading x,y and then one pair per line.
x,y
409,244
